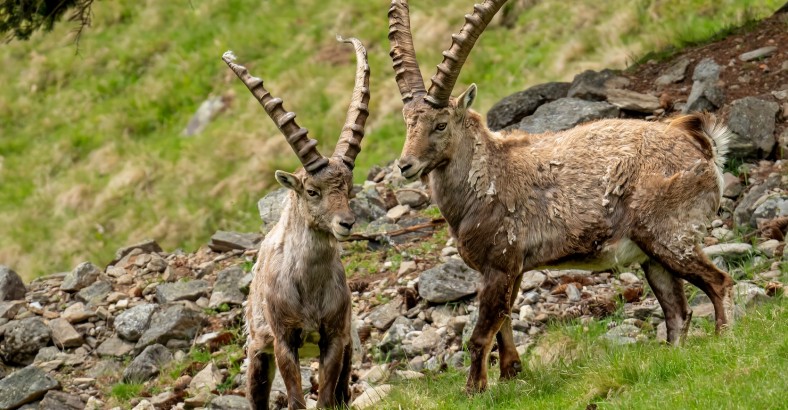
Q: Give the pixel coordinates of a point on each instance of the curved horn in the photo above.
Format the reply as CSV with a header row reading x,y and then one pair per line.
x,y
403,55
303,146
349,143
462,43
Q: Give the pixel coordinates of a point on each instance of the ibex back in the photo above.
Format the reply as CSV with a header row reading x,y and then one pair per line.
x,y
299,293
606,193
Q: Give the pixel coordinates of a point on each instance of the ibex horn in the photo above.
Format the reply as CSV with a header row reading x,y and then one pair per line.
x,y
462,43
349,143
303,146
403,54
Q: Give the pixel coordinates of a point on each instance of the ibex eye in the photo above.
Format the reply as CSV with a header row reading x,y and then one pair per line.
x,y
312,193
441,126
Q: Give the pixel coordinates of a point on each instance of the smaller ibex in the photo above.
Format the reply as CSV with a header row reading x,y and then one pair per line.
x,y
299,293
606,193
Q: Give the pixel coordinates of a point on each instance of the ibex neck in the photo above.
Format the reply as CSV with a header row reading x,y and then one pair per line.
x,y
314,245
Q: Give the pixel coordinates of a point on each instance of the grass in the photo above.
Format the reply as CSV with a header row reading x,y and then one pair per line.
x,y
91,152
741,369
125,391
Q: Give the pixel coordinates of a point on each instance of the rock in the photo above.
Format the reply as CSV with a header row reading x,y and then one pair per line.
x,y
206,380
428,340
391,343
9,309
449,251
591,85
132,323
758,53
527,313
94,404
371,396
58,400
742,215
705,94
144,404
728,250
22,340
407,374
375,373
753,121
573,293
467,331
512,109
95,293
270,207
279,383
11,285
172,322
566,113
623,334
448,282
398,212
227,288
189,290
206,112
413,198
383,315
674,73
770,207
25,386
629,278
146,246
368,205
84,275
731,186
63,334
458,359
769,248
532,280
224,241
77,313
147,364
405,267
633,101
114,347
229,402
748,294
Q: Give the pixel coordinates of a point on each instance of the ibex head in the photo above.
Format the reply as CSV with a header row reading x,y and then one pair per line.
x,y
433,117
323,185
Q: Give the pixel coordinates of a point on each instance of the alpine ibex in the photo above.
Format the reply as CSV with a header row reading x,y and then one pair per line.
x,y
299,293
610,192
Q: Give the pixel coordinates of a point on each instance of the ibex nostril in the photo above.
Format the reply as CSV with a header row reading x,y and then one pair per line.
x,y
347,225
404,167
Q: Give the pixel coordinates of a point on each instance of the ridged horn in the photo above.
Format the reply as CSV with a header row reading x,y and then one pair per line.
x,y
403,54
349,143
462,43
296,136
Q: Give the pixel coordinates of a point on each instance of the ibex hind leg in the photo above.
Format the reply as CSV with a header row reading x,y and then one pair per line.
x,y
259,378
510,359
669,291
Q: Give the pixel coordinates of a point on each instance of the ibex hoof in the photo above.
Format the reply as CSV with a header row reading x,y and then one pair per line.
x,y
511,371
473,388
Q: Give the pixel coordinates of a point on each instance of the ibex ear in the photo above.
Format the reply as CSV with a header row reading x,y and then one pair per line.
x,y
288,180
465,99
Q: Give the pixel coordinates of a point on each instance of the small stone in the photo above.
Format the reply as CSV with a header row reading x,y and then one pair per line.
x,y
190,290
63,334
753,121
732,186
371,396
229,402
375,373
11,285
623,334
633,101
573,293
9,309
224,241
428,340
770,247
728,250
758,53
171,322
532,280
57,400
144,404
84,275
398,212
449,251
383,315
206,380
415,199
747,294
407,374
25,386
77,313
95,293
147,364
114,347
132,323
448,282
629,278
406,267
674,73
227,288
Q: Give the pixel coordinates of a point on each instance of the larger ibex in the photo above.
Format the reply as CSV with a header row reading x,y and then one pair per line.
x,y
610,192
299,293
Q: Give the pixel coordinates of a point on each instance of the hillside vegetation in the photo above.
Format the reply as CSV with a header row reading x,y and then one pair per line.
x,y
92,154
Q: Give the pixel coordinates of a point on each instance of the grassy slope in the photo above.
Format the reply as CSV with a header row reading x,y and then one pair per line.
x,y
91,156
743,369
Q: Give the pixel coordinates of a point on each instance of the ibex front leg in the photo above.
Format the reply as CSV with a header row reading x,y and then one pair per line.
x,y
510,359
286,351
332,352
493,307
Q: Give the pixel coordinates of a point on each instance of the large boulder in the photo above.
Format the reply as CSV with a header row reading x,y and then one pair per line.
x,y
593,85
226,241
147,364
189,290
752,120
512,109
566,113
22,340
705,94
25,386
448,282
270,207
227,288
172,322
11,285
84,275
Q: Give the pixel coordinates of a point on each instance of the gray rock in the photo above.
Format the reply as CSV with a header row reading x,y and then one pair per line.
x,y
771,207
468,330
63,334
705,94
365,211
383,315
190,290
458,359
510,110
623,334
225,241
84,275
114,347
633,101
227,288
413,198
748,294
25,386
448,282
58,400
427,341
205,113
753,121
22,340
172,322
146,246
205,380
9,309
132,323
95,293
566,113
731,186
229,403
391,343
147,364
573,293
279,383
270,207
674,73
591,85
11,285
728,250
742,215
532,280
77,313
758,53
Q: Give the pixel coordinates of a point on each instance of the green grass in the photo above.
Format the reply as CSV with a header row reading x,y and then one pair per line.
x,y
742,369
91,152
125,391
